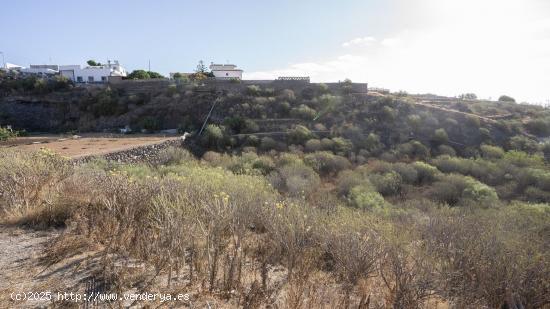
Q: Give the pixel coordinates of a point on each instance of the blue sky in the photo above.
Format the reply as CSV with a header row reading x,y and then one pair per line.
x,y
447,47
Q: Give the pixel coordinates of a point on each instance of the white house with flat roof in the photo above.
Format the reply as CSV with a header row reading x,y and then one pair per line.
x,y
226,71
93,74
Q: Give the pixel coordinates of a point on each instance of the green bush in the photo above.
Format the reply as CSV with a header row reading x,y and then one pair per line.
x,y
523,143
6,134
414,150
491,152
386,184
426,172
348,179
342,145
363,197
325,163
313,145
539,127
213,136
267,143
440,136
253,90
456,189
300,134
446,150
303,112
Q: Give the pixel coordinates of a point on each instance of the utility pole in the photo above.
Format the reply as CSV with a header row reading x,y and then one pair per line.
x,y
3,60
149,65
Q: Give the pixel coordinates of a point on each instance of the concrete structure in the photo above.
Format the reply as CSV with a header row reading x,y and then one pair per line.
x,y
93,74
226,71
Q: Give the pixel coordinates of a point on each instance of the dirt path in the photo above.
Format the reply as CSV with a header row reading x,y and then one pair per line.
x,y
23,269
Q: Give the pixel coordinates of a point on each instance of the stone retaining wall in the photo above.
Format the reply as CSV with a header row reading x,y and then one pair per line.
x,y
141,154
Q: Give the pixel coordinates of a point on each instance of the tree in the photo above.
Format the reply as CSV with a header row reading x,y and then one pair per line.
x,y
201,68
468,96
139,74
505,98
154,74
92,63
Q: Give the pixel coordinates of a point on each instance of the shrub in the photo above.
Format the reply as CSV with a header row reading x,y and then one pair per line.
x,y
363,197
408,172
373,144
253,90
539,126
300,134
295,179
287,95
313,145
267,143
327,144
342,145
354,247
478,192
440,136
348,179
386,184
325,163
213,136
522,159
6,134
304,112
30,183
448,189
491,152
414,149
505,98
426,172
454,189
173,155
523,143
446,150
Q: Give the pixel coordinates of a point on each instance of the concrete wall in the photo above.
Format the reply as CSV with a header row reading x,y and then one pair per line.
x,y
154,85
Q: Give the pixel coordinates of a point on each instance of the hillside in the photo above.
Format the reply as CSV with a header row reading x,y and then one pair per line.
x,y
293,195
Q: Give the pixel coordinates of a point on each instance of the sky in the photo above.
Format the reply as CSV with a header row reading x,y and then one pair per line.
x,y
446,47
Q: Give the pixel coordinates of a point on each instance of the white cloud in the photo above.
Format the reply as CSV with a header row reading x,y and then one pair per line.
x,y
364,41
489,47
389,42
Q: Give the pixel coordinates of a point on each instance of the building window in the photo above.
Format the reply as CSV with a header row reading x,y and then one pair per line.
x,y
226,74
103,78
79,79
90,79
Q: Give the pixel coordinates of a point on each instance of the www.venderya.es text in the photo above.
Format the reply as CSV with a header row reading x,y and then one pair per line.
x,y
98,297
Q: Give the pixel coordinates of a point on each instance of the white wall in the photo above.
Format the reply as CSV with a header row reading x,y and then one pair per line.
x,y
228,74
95,73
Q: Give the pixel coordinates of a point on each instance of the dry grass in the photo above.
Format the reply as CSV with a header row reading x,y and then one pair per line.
x,y
233,238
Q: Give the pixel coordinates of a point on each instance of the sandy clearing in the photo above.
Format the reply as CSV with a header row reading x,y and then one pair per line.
x,y
86,145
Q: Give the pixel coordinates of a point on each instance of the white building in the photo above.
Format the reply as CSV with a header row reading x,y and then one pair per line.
x,y
41,69
92,74
226,71
10,66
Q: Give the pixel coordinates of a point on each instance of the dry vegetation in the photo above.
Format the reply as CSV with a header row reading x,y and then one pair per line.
x,y
283,231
